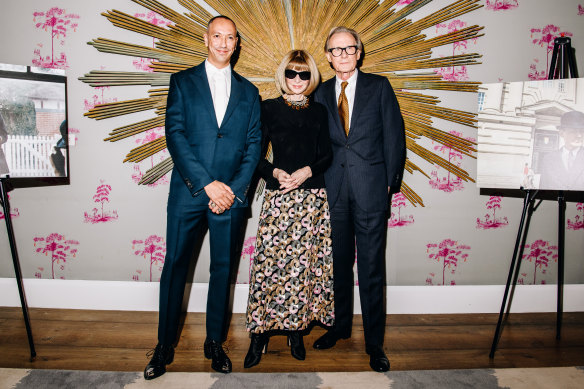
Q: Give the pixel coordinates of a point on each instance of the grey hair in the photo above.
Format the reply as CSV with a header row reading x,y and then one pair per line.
x,y
340,29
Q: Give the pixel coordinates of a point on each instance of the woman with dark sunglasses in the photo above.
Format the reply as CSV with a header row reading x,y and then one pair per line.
x,y
292,270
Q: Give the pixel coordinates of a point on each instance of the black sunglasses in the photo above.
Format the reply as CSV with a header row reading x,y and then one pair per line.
x,y
291,74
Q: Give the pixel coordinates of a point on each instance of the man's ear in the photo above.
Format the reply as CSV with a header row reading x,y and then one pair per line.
x,y
206,39
329,57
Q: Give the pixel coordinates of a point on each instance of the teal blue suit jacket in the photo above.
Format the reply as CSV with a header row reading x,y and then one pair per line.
x,y
202,149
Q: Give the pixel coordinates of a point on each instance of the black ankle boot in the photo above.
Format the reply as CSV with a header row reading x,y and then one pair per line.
x,y
296,345
162,355
257,346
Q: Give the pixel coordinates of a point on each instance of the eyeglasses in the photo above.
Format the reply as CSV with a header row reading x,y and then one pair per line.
x,y
291,74
337,51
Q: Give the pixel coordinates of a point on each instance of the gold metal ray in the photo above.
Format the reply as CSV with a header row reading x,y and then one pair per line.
x,y
101,78
395,46
144,151
131,23
135,129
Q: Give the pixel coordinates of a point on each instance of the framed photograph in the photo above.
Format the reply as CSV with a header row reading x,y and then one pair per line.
x,y
34,146
531,135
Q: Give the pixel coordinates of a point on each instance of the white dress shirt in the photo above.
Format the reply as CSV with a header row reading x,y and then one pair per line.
x,y
220,85
349,92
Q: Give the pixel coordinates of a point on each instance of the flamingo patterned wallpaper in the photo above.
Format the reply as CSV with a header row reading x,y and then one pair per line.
x,y
106,227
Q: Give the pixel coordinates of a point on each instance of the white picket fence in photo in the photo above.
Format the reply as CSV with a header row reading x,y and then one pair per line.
x,y
29,156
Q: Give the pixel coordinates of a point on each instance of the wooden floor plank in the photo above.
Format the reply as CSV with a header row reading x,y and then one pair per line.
x,y
119,341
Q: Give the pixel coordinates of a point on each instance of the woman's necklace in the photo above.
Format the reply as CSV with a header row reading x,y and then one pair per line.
x,y
297,104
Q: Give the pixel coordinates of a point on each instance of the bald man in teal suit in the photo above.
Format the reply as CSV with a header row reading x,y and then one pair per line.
x,y
213,135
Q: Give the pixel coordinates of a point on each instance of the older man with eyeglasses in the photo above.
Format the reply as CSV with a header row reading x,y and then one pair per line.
x,y
368,141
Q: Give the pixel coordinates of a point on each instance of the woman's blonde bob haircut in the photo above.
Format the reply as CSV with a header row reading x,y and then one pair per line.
x,y
300,61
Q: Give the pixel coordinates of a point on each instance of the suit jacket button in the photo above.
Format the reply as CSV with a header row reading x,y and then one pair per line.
x,y
219,135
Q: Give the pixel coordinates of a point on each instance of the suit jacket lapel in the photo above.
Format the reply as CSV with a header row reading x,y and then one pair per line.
x,y
202,84
331,102
233,96
360,100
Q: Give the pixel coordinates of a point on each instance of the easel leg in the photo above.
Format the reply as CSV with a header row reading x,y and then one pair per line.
x,y
561,240
17,270
552,71
562,44
530,211
527,204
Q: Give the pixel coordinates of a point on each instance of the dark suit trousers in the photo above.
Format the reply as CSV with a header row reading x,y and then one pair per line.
x,y
349,224
181,231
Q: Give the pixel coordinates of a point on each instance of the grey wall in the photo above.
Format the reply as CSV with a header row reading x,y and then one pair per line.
x,y
113,249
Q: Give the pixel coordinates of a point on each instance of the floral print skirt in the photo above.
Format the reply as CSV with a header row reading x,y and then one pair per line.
x,y
291,281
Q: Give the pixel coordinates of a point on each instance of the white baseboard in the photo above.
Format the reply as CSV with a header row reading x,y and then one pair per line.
x,y
143,296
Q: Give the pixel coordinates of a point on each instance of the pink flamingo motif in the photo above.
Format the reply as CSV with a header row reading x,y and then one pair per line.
x,y
403,2
540,254
501,5
580,9
157,20
136,277
578,223
59,249
74,131
149,136
493,204
447,184
97,99
450,252
397,220
544,37
535,74
58,23
13,212
152,247
101,197
143,64
454,73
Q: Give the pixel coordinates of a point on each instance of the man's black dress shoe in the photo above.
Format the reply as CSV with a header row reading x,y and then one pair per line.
x,y
328,340
296,345
162,355
257,346
377,358
219,360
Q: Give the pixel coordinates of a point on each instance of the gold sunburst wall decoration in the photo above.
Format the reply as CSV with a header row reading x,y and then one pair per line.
x,y
395,47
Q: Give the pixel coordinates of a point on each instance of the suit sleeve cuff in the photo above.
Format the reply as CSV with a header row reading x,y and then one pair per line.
x,y
241,195
200,189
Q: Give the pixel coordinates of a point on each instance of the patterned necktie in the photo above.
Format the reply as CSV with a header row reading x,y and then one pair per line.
x,y
344,108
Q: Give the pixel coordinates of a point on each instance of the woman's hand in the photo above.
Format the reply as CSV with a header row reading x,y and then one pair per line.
x,y
282,177
297,178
